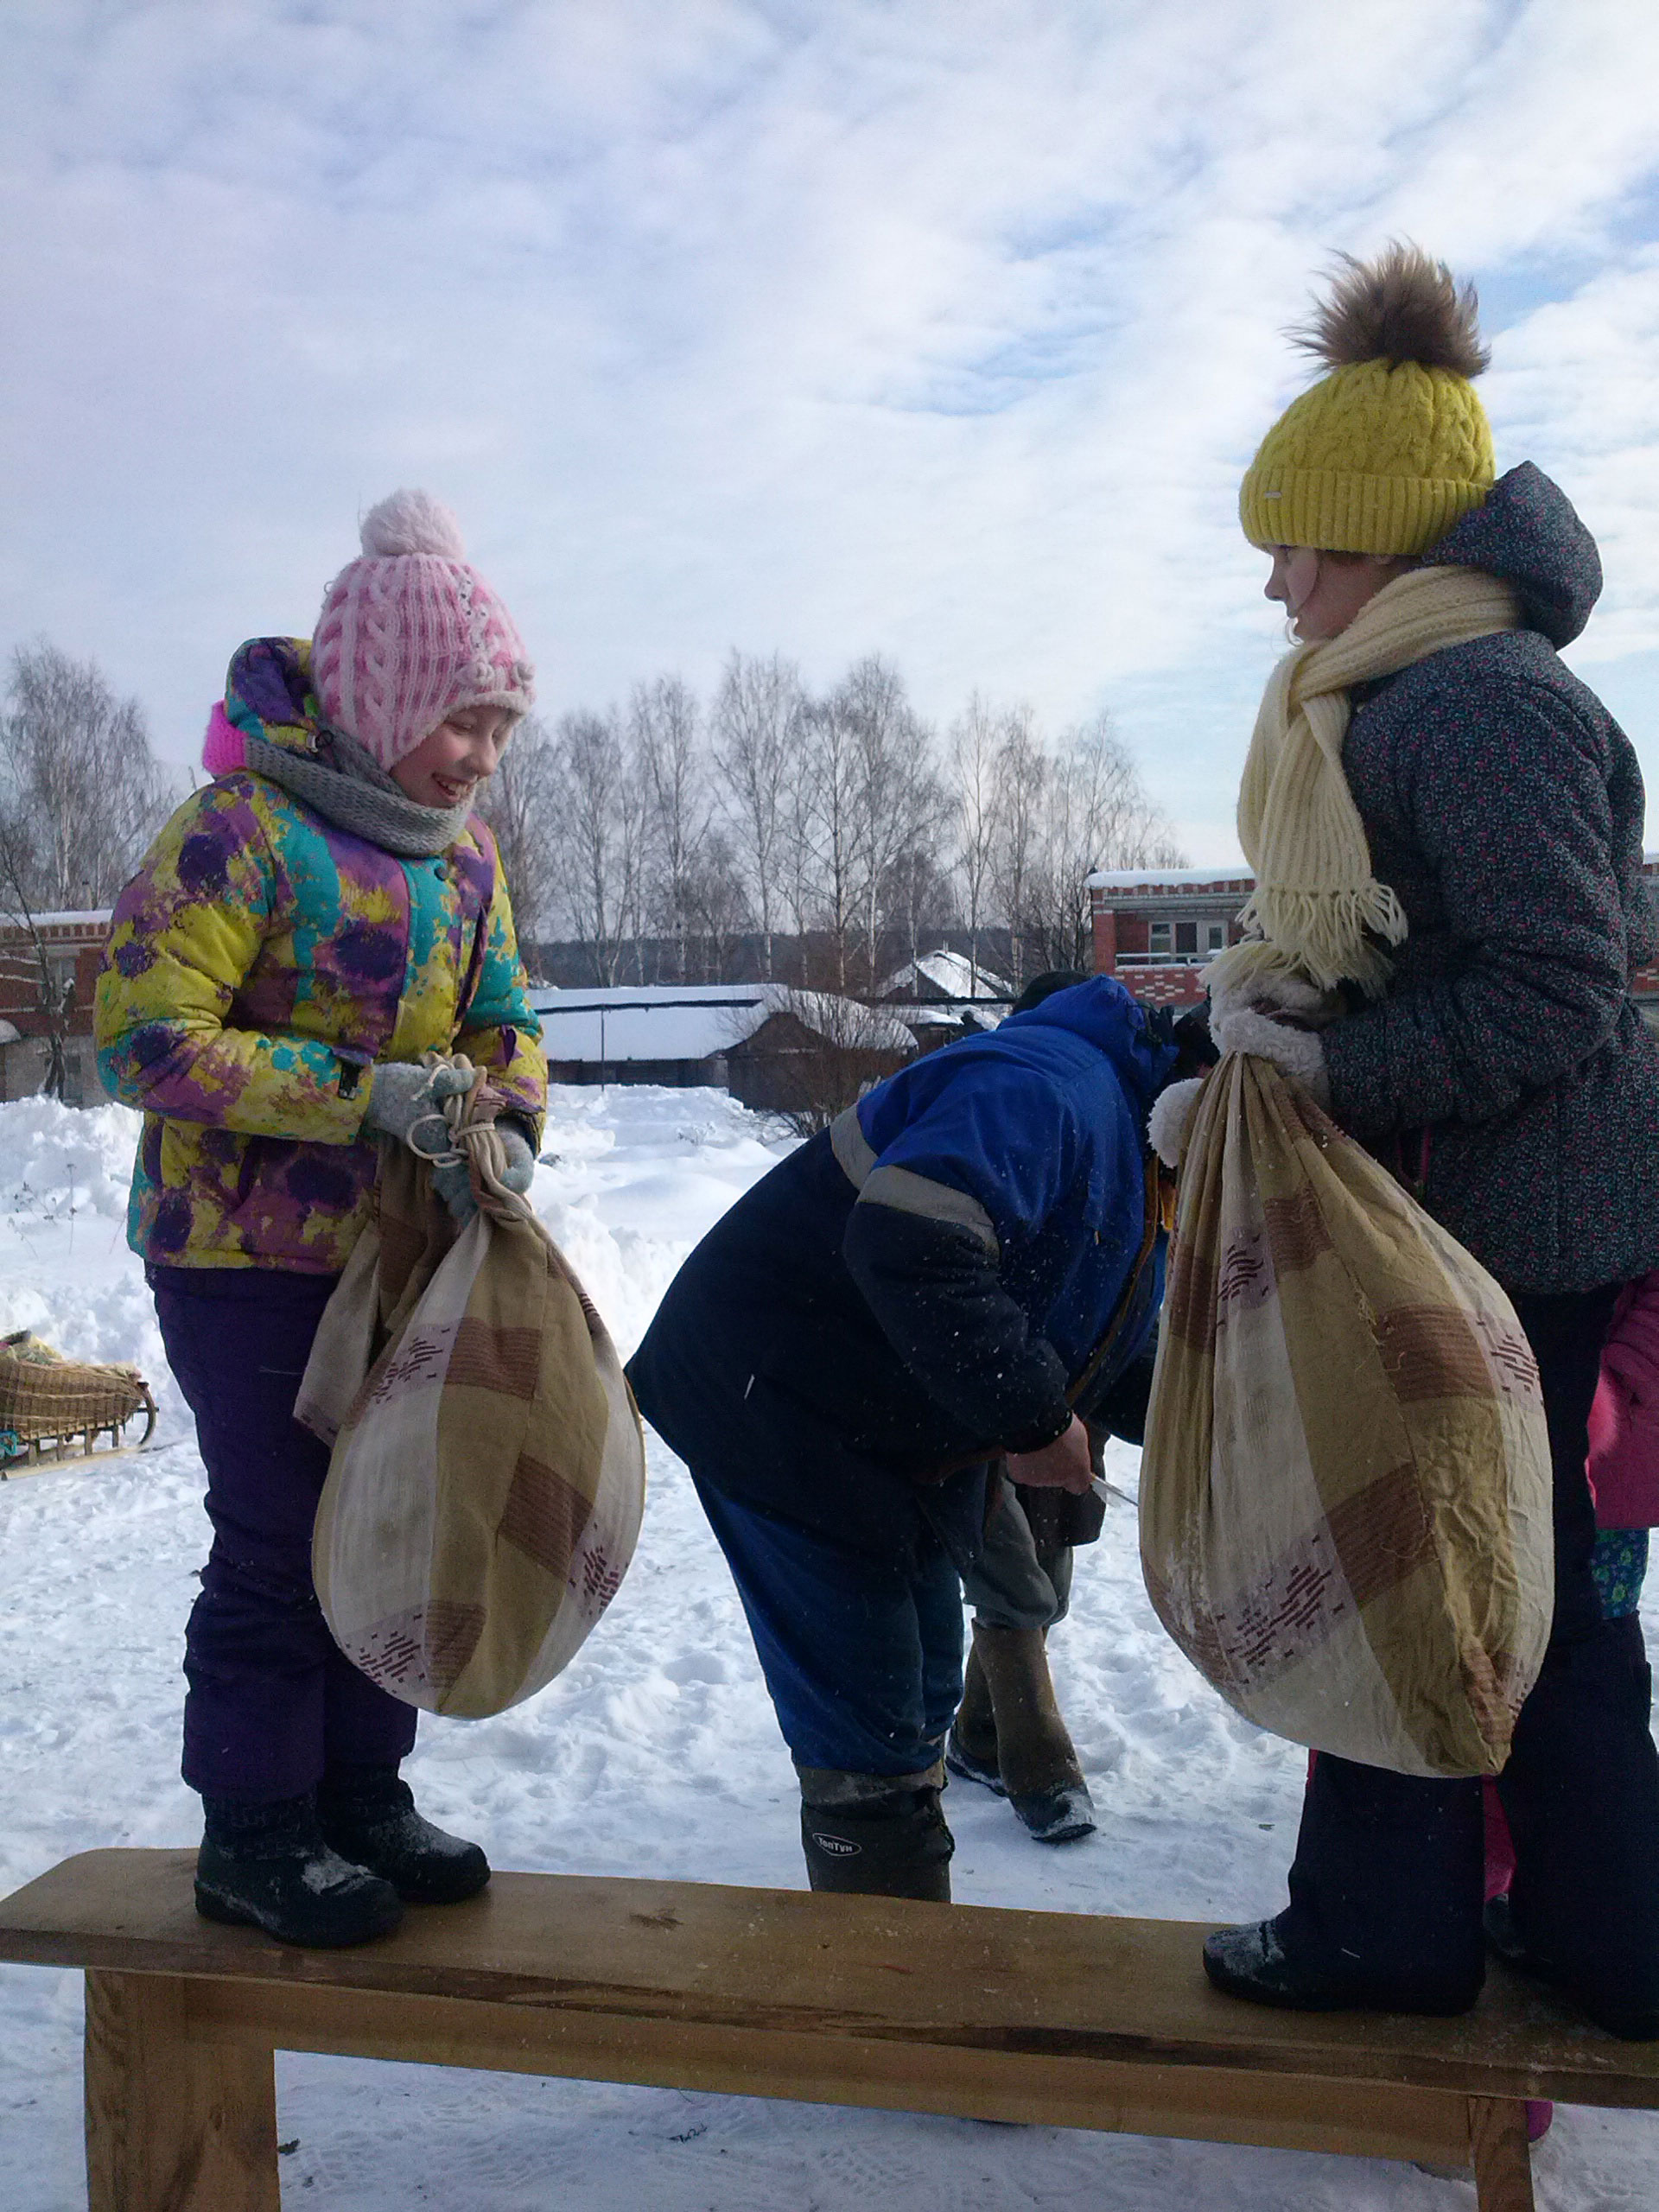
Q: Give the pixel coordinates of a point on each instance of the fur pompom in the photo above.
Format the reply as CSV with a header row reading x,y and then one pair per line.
x,y
1402,307
412,522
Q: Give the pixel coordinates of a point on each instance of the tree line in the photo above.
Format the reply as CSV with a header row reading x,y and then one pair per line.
x,y
815,838
827,835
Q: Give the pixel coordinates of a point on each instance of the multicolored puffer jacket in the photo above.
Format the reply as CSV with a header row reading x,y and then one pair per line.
x,y
260,962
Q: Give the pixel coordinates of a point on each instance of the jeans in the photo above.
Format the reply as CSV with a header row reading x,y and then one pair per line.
x,y
862,1657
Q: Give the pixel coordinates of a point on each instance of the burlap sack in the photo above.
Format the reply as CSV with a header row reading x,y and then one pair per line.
x,y
1345,1490
488,1474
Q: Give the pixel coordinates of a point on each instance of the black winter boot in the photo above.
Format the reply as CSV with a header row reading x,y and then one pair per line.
x,y
367,1814
267,1866
876,1834
1037,1762
1252,1963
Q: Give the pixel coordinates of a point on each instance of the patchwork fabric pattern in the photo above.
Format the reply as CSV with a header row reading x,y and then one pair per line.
x,y
1345,1490
488,1475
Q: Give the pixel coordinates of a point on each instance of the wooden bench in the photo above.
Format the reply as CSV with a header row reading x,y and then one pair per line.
x,y
1056,2019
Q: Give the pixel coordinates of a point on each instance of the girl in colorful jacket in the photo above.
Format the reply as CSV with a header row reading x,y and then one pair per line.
x,y
302,932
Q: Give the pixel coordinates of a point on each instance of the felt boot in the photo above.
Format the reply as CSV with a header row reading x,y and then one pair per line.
x,y
1036,1761
970,1748
876,1834
267,1866
367,1814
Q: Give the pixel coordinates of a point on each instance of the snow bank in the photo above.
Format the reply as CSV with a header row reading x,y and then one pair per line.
x,y
632,1176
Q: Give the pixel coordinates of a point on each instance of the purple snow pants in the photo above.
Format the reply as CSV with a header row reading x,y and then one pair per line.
x,y
272,1699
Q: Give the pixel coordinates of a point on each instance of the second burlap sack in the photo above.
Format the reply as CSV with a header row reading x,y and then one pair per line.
x,y
487,1478
1345,1491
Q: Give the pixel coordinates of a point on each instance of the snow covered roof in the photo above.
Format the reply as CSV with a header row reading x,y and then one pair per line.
x,y
694,1021
71,917
941,1013
1168,878
952,975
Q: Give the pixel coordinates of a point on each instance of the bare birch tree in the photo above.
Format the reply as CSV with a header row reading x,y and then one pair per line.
x,y
1095,814
521,804
830,824
973,787
755,727
79,786
666,744
600,846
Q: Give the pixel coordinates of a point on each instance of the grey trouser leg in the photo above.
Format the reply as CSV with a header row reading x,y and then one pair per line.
x,y
1012,1584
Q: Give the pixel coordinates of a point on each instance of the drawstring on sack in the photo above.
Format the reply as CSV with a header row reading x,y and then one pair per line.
x,y
466,1118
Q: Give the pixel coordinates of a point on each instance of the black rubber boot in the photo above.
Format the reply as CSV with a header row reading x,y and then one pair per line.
x,y
1037,1762
267,1866
367,1814
876,1834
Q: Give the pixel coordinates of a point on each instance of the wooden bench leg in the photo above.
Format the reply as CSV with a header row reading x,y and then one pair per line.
x,y
173,2125
1500,2154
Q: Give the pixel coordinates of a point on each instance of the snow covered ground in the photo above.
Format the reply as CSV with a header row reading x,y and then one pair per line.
x,y
656,1754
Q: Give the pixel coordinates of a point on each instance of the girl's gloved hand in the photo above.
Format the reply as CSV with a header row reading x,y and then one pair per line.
x,y
1293,1052
401,1095
453,1183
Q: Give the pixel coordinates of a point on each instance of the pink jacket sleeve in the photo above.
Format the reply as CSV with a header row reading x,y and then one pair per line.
x,y
1624,1464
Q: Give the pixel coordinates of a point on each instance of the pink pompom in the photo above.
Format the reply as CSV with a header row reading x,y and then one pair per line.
x,y
224,750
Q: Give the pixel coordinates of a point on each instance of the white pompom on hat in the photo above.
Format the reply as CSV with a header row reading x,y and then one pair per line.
x,y
410,634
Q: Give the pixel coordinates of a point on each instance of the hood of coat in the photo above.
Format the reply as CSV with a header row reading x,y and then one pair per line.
x,y
1102,1012
1528,533
268,692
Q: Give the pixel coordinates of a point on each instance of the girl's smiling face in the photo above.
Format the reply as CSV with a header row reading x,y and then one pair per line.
x,y
450,762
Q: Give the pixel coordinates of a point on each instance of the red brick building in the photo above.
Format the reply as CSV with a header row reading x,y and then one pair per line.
x,y
73,947
1156,928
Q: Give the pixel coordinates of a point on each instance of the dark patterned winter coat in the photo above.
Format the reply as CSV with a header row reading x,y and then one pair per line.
x,y
1504,805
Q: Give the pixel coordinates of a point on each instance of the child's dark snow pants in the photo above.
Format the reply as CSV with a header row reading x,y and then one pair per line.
x,y
1388,1882
272,1699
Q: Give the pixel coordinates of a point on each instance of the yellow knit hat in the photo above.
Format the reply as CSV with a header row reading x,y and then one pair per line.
x,y
1386,452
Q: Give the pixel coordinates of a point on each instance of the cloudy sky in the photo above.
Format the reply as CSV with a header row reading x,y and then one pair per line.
x,y
943,327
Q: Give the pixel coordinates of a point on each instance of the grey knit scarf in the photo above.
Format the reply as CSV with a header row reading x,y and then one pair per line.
x,y
348,787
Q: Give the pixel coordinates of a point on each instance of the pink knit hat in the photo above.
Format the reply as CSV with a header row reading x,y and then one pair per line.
x,y
409,632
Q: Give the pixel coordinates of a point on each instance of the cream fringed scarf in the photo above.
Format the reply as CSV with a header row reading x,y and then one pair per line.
x,y
1318,912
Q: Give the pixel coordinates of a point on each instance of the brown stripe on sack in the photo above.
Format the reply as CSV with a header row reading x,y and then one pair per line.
x,y
545,1516
1190,1298
507,1361
1296,1231
1363,1547
449,1633
1431,1351
1382,1533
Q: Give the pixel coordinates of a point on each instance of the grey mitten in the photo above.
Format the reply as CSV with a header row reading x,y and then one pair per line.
x,y
453,1180
400,1096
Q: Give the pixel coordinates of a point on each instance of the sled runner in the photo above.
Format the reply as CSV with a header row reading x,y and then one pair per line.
x,y
53,1409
